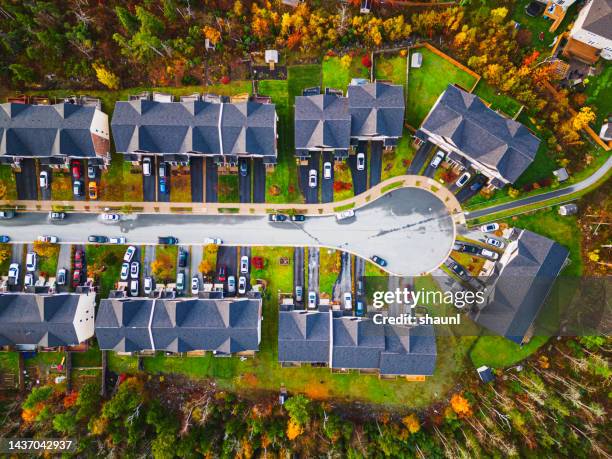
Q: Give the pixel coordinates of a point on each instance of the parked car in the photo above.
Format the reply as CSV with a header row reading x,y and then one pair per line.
x,y
379,261
28,280
345,214
167,240
244,264
134,269
299,293
312,300
182,258
91,172
129,253
48,239
13,273
359,308
96,239
347,300
243,165
7,214
162,169
489,254
134,287
242,285
146,167
327,170
277,218
231,284
312,178
298,218
359,289
463,179
76,278
77,188
213,240
495,242
180,281
93,190
117,240
61,277
111,217
31,261
162,185
148,285
57,215
360,161
76,169
125,271
44,180
4,239
437,159
195,285
79,259
489,227
465,248
222,275
457,269
477,185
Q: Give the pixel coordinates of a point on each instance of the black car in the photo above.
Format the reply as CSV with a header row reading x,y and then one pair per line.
x,y
535,9
457,269
182,259
298,218
379,261
277,217
244,167
470,249
477,185
167,240
98,239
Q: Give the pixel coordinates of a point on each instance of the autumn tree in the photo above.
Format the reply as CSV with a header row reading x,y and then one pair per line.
x,y
45,249
206,267
163,266
106,77
460,405
5,252
212,34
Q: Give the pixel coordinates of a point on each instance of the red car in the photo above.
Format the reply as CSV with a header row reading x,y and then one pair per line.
x,y
78,259
222,273
76,278
76,169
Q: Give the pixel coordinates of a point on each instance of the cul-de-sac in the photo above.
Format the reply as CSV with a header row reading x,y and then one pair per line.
x,y
305,228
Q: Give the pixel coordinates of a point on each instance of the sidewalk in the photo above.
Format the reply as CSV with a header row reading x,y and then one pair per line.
x,y
409,181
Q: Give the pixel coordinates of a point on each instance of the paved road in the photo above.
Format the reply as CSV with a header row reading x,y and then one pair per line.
x,y
259,180
327,185
298,272
244,182
196,169
313,271
420,157
360,178
409,227
26,180
601,172
376,154
212,181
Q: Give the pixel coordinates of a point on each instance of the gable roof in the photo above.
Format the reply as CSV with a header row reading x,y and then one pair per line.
x,y
377,109
48,130
303,336
122,324
599,18
482,134
39,319
524,282
322,121
195,127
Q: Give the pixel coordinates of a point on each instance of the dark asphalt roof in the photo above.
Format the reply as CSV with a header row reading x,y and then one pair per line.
x,y
40,319
599,18
523,285
245,128
179,325
46,130
322,121
303,336
482,134
377,109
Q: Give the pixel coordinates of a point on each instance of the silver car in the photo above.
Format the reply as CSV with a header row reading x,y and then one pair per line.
x,y
231,284
242,285
125,271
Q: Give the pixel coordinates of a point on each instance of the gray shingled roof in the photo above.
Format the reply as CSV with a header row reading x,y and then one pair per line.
x,y
599,18
522,286
322,121
197,127
482,134
303,336
46,130
179,325
36,319
409,351
357,343
377,109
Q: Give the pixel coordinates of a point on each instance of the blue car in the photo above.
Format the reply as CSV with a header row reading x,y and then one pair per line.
x,y
379,261
360,308
4,238
162,185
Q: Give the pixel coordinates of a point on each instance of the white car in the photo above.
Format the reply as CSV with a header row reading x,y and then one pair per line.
x,y
360,161
350,213
134,289
495,242
125,271
327,170
231,284
312,300
299,293
242,285
44,179
111,217
13,272
489,227
195,285
463,179
244,264
437,159
213,240
146,167
117,240
31,260
489,254
129,253
348,300
148,285
28,280
312,178
49,239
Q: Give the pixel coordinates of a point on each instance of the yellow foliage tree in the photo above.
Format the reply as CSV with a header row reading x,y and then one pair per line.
x,y
294,430
213,35
499,14
206,267
5,253
583,118
237,9
345,61
106,77
461,405
44,249
412,423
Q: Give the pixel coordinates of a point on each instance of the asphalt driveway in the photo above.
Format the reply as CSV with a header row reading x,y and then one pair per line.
x,y
227,256
360,178
149,182
327,185
376,154
26,180
212,181
311,194
298,272
420,158
244,182
196,169
259,180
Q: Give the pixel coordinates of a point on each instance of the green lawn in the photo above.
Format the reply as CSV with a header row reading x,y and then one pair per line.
x,y
108,259
120,182
425,84
499,352
337,76
61,186
228,190
499,102
342,175
172,253
8,185
599,92
329,268
396,162
48,264
180,185
391,68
